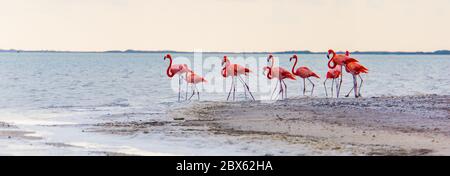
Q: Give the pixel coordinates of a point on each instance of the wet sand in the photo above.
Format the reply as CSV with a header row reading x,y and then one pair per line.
x,y
8,131
411,125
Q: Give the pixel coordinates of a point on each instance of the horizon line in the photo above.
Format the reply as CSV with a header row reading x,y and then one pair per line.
x,y
442,51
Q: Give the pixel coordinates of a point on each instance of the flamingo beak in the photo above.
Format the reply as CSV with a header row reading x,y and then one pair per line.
x,y
328,56
290,59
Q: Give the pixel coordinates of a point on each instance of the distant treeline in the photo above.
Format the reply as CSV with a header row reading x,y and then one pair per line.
x,y
439,52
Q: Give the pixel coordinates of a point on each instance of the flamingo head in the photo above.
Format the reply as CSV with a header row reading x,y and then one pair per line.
x,y
270,57
330,51
293,57
168,56
225,60
347,53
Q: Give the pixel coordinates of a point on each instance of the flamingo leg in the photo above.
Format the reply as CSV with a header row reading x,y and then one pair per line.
x,y
313,85
332,86
349,92
340,83
179,88
231,89
285,89
325,85
193,92
234,89
246,87
243,85
355,85
280,92
337,84
360,85
273,93
198,92
304,87
187,87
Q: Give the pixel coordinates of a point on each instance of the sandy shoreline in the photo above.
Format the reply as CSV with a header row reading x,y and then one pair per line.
x,y
411,125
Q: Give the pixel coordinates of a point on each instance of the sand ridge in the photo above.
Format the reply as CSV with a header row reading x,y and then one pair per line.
x,y
410,125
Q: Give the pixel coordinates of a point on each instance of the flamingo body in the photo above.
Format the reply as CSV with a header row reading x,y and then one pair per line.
x,y
280,73
305,72
334,73
234,70
193,78
355,68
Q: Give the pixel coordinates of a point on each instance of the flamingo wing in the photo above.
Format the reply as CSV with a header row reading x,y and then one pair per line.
x,y
305,72
236,70
356,68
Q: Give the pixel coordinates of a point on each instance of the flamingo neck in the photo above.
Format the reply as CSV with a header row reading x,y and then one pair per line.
x,y
269,75
332,59
295,64
169,73
273,61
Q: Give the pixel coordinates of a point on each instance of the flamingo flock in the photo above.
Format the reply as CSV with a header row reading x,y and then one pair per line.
x,y
336,64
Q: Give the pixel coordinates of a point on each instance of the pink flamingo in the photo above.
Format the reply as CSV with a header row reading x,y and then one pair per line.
x,y
177,69
194,79
332,74
303,72
235,71
355,68
339,59
279,73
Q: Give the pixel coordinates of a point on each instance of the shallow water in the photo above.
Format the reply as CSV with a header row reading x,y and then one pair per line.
x,y
44,89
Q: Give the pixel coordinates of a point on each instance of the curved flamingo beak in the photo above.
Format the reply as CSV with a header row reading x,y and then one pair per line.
x,y
290,59
328,56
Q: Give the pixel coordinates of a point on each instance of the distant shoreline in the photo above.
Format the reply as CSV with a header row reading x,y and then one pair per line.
x,y
438,52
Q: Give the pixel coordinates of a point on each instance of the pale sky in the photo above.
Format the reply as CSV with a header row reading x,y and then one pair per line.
x,y
225,25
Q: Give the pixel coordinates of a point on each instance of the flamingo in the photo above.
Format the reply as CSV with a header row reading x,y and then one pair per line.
x,y
279,73
355,68
339,59
194,79
177,69
235,71
303,72
332,74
